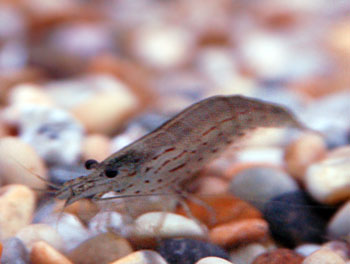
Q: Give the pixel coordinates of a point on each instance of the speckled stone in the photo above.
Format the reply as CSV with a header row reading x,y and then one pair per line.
x,y
14,252
294,219
54,133
103,249
141,257
43,253
188,251
17,203
278,256
323,256
258,184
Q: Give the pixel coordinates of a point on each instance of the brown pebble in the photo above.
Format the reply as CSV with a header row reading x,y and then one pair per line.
x,y
19,162
239,232
101,249
307,149
279,256
96,146
226,208
43,253
17,203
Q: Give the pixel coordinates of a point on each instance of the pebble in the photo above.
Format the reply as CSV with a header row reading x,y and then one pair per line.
x,y
43,253
96,146
14,252
307,149
162,46
339,225
188,251
17,204
141,257
102,222
70,228
213,260
165,225
103,248
211,185
28,94
259,184
328,181
33,233
54,133
100,102
294,219
268,155
239,232
19,161
307,249
247,253
323,256
223,208
277,256
340,247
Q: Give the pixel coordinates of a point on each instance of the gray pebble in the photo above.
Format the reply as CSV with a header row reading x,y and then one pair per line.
x,y
14,252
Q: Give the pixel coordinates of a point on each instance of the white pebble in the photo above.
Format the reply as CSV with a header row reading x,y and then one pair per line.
x,y
213,260
162,224
323,256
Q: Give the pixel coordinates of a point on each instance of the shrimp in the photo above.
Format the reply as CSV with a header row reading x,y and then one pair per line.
x,y
161,161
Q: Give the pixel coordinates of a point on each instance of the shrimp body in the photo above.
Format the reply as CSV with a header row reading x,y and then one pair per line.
x,y
162,160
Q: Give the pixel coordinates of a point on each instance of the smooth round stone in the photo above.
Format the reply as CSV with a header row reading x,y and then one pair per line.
x,y
213,260
258,184
268,155
104,221
54,133
40,232
294,219
103,248
278,256
307,249
328,181
69,227
340,247
43,253
246,254
96,146
166,225
307,149
29,94
339,225
219,209
19,162
188,251
323,256
14,251
141,257
162,46
17,204
239,232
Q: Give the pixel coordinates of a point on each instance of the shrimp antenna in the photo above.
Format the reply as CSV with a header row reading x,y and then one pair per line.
x,y
55,186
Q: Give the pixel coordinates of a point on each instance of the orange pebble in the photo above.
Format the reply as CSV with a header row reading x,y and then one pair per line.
x,y
278,256
43,253
238,232
226,208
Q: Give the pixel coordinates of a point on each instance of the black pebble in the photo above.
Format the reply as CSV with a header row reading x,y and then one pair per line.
x,y
294,218
188,251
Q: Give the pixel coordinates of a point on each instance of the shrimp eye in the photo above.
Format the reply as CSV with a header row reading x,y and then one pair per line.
x,y
111,173
90,164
